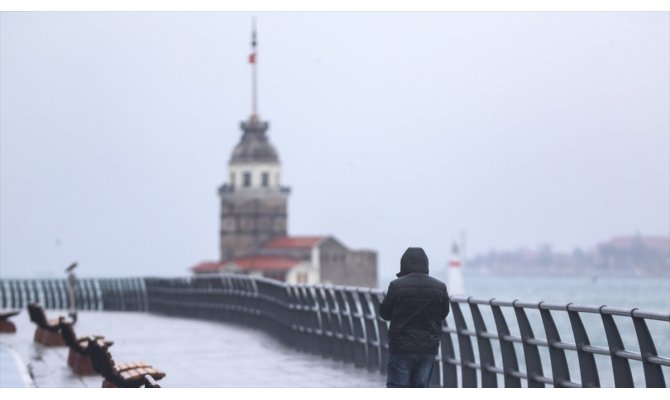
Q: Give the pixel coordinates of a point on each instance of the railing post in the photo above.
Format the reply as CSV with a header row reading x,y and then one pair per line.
x,y
326,322
347,325
335,323
14,288
60,291
4,292
382,327
653,374
559,364
530,351
360,335
489,378
587,363
620,366
509,360
372,334
317,320
447,358
468,368
48,294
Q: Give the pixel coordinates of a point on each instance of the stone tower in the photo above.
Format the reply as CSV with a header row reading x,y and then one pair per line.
x,y
253,202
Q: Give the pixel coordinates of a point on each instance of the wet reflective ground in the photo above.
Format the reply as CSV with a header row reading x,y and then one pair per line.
x,y
193,353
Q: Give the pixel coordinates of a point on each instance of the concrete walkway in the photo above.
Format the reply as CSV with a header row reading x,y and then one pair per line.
x,y
192,353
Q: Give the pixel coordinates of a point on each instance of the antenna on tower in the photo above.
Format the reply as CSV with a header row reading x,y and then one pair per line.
x,y
253,60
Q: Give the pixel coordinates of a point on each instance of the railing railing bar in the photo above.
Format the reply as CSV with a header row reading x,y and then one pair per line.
x,y
494,369
659,360
651,315
524,304
596,350
541,379
519,374
536,342
629,355
512,339
564,346
584,309
501,303
569,384
552,307
624,312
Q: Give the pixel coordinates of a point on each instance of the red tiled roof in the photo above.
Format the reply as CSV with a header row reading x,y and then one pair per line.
x,y
248,263
293,242
206,267
264,262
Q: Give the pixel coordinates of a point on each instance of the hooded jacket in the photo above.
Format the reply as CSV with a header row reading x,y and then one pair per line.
x,y
416,304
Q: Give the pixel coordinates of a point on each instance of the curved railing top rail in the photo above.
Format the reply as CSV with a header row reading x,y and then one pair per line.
x,y
542,305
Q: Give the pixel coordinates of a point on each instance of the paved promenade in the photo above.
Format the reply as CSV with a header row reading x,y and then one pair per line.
x,y
192,353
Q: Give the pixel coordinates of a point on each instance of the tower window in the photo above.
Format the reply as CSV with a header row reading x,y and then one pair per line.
x,y
246,179
232,179
265,179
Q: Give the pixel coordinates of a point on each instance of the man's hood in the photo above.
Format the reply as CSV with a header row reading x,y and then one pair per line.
x,y
414,260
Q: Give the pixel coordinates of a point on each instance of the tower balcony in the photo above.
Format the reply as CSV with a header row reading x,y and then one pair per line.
x,y
228,188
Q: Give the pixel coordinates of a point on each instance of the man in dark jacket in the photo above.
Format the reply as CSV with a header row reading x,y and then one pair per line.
x,y
416,304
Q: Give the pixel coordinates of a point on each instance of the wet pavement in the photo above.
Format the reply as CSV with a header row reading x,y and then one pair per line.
x,y
193,353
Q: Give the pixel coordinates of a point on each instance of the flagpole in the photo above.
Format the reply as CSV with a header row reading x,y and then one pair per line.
x,y
254,84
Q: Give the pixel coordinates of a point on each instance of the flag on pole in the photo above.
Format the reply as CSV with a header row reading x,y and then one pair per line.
x,y
252,56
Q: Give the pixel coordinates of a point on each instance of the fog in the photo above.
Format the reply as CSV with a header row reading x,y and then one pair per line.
x,y
394,130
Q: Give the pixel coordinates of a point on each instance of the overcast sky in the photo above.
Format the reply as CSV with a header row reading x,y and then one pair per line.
x,y
394,130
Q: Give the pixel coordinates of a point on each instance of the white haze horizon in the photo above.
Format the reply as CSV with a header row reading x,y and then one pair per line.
x,y
394,129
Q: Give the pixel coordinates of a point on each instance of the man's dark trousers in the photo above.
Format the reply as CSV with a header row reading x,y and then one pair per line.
x,y
409,370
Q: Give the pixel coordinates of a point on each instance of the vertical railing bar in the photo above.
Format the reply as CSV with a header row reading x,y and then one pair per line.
x,y
530,351
4,303
382,328
449,370
489,379
509,360
468,373
653,374
623,376
559,363
587,363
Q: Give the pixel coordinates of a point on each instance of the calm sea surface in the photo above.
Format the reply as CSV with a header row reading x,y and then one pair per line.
x,y
647,294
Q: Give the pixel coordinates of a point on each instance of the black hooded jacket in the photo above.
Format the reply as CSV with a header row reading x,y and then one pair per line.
x,y
416,304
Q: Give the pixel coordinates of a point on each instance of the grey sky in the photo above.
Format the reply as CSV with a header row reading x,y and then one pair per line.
x,y
394,129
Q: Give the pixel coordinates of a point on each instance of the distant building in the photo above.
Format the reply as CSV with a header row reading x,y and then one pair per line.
x,y
634,255
254,219
643,256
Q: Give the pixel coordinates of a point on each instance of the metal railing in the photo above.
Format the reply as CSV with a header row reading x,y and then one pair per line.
x,y
567,364
111,294
485,343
